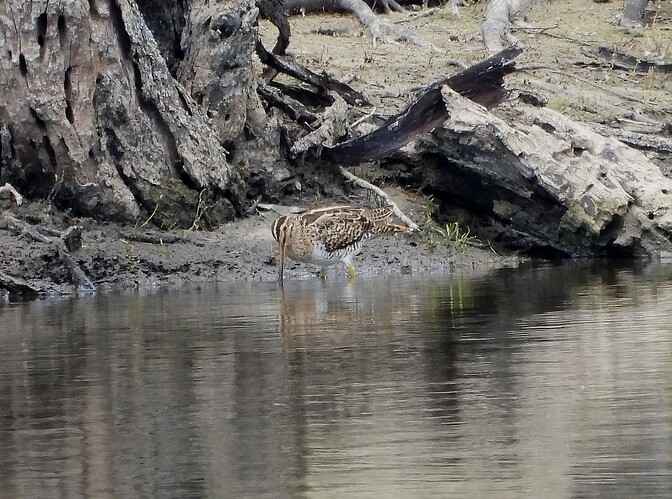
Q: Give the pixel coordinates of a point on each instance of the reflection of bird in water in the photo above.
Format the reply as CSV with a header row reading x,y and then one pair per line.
x,y
326,236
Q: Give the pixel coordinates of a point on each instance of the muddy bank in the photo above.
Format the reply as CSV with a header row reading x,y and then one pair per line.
x,y
121,257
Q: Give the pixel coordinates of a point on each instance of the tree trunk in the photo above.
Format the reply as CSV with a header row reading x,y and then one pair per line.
x,y
94,121
633,13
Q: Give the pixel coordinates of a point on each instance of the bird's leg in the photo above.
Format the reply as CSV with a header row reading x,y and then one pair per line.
x,y
323,273
351,271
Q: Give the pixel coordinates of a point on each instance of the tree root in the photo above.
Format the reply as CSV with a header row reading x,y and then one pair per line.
x,y
64,242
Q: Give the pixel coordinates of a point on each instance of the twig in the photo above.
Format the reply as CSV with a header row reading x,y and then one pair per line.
x,y
532,29
414,17
588,82
381,194
153,213
364,118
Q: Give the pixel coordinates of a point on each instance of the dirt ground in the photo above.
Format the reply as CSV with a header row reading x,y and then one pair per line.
x,y
556,36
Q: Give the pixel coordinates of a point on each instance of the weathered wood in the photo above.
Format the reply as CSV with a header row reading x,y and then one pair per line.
x,y
633,13
621,60
481,82
496,28
18,198
321,81
552,185
381,29
94,120
16,285
63,241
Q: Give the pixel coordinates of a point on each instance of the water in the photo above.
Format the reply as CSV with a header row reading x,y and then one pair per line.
x,y
534,382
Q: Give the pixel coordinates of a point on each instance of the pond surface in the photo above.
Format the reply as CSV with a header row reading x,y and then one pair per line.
x,y
548,381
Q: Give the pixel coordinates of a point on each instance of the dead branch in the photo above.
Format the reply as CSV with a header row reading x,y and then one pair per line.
x,y
496,29
381,194
589,82
415,17
628,62
64,242
293,109
381,29
482,83
323,81
333,125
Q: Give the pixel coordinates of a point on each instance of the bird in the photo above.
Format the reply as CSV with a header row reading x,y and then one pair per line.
x,y
329,235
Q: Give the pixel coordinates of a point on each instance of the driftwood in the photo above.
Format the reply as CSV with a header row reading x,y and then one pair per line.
x,y
64,242
550,184
626,61
16,285
633,13
481,83
321,81
377,191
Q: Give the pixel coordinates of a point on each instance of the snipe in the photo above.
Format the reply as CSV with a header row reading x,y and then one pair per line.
x,y
326,236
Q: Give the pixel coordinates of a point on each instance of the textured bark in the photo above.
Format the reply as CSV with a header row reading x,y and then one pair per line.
x,y
218,72
496,28
633,13
552,185
94,121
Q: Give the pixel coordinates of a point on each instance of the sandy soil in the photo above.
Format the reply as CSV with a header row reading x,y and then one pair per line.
x,y
556,36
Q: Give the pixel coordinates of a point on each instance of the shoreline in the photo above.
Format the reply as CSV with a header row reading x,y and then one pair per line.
x,y
116,257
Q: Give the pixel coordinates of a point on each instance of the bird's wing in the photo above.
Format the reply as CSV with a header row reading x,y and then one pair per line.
x,y
340,228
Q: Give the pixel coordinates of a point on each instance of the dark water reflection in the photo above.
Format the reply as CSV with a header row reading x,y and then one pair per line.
x,y
547,381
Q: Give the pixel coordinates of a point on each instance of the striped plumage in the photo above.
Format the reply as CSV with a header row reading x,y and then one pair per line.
x,y
326,236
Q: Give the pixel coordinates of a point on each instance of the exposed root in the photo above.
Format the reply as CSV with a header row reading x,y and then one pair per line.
x,y
64,242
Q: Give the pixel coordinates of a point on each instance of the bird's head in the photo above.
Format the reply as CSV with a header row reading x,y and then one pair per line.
x,y
281,230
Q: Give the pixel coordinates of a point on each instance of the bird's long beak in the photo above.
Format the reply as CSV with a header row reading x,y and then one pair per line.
x,y
283,246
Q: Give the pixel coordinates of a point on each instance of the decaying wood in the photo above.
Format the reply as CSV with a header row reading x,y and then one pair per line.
x,y
633,13
96,121
552,183
629,62
64,242
333,125
321,81
18,198
481,82
16,285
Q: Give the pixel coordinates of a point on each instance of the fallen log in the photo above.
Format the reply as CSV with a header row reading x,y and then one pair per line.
x,y
482,82
544,182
